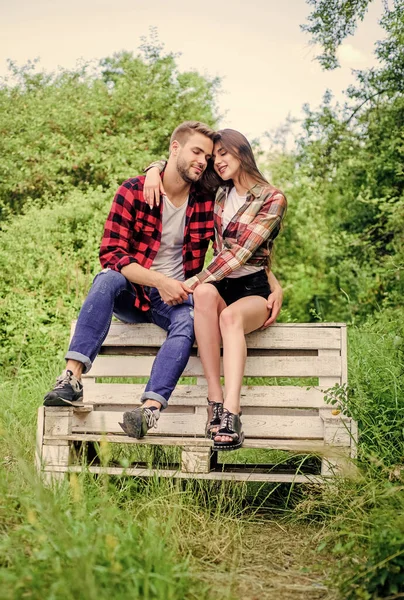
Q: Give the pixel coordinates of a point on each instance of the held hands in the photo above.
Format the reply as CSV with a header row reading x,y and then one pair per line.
x,y
153,187
173,292
274,304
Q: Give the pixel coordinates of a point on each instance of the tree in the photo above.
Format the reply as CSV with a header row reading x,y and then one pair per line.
x,y
92,127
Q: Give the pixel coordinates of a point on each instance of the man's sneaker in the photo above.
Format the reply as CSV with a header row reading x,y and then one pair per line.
x,y
136,423
67,391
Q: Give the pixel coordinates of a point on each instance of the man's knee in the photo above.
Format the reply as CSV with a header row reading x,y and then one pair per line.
x,y
109,282
182,322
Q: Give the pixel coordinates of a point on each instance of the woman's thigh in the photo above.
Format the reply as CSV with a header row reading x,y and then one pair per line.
x,y
251,310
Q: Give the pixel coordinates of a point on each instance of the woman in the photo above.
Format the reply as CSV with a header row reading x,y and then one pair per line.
x,y
248,216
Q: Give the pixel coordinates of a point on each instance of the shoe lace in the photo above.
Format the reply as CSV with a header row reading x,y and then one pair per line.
x,y
227,421
62,380
151,417
217,410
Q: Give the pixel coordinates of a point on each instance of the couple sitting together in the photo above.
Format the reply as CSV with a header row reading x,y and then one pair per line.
x,y
152,253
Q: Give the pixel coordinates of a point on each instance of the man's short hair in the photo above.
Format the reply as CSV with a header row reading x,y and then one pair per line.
x,y
188,128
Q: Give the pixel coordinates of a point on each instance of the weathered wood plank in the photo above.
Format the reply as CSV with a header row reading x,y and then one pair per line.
x,y
279,336
273,426
195,459
326,381
268,366
58,420
316,447
354,439
287,396
337,428
212,476
55,455
344,355
39,438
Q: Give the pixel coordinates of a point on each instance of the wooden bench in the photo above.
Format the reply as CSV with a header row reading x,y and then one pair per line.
x,y
293,418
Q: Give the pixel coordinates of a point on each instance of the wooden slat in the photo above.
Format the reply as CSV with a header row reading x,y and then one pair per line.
x,y
127,394
152,440
273,426
327,381
316,447
268,366
354,439
344,356
39,438
280,336
212,476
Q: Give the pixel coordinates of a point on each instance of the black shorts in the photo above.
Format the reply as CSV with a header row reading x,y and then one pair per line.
x,y
232,289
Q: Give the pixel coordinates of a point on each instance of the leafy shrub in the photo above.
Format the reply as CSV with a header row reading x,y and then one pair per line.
x,y
92,127
47,258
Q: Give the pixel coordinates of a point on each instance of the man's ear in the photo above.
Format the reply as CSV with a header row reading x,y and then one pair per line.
x,y
175,147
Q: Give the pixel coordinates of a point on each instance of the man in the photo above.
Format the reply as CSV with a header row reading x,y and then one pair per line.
x,y
147,254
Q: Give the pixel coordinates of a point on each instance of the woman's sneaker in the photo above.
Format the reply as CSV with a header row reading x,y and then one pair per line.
x,y
136,423
68,391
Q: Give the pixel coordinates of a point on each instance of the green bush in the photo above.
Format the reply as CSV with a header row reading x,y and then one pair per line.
x,y
364,517
92,127
47,258
382,574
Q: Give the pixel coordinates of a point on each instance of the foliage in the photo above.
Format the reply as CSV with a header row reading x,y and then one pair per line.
x,y
344,232
67,140
92,127
47,258
342,251
331,22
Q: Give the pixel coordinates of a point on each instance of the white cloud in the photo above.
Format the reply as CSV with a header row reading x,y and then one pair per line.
x,y
351,57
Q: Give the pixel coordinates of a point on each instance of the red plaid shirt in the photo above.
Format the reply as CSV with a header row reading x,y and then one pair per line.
x,y
132,233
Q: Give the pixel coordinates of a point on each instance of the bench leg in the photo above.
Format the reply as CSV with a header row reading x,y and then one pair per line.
x,y
337,439
39,438
195,459
54,456
56,452
338,464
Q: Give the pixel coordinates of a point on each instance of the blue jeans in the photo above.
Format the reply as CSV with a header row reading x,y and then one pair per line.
x,y
112,294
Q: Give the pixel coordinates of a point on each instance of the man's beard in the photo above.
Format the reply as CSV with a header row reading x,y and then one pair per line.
x,y
185,171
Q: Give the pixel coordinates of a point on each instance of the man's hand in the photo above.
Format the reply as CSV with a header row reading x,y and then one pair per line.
x,y
173,292
274,304
153,187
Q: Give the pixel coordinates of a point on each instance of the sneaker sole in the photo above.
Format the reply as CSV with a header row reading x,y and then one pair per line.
x,y
62,402
132,424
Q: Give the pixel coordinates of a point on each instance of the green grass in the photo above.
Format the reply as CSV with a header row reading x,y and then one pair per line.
x,y
100,537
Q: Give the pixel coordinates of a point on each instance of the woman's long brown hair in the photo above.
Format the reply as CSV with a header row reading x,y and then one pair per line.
x,y
236,144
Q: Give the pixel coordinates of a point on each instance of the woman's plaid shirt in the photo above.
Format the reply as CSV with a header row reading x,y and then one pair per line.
x,y
248,238
132,233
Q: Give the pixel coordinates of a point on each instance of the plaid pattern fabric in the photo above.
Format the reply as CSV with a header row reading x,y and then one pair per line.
x,y
132,233
248,238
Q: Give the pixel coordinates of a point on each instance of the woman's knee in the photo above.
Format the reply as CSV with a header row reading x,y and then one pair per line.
x,y
206,296
230,319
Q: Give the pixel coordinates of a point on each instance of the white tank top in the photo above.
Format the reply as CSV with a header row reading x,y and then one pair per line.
x,y
169,256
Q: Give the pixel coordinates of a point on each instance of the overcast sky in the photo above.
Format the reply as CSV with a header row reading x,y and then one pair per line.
x,y
257,47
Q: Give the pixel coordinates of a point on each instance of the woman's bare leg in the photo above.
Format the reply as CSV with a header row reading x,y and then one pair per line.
x,y
208,306
238,319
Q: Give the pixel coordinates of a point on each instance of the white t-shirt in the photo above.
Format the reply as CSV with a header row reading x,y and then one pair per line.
x,y
169,256
232,205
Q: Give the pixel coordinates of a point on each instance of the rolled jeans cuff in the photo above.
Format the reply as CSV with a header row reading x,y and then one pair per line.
x,y
72,355
153,396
